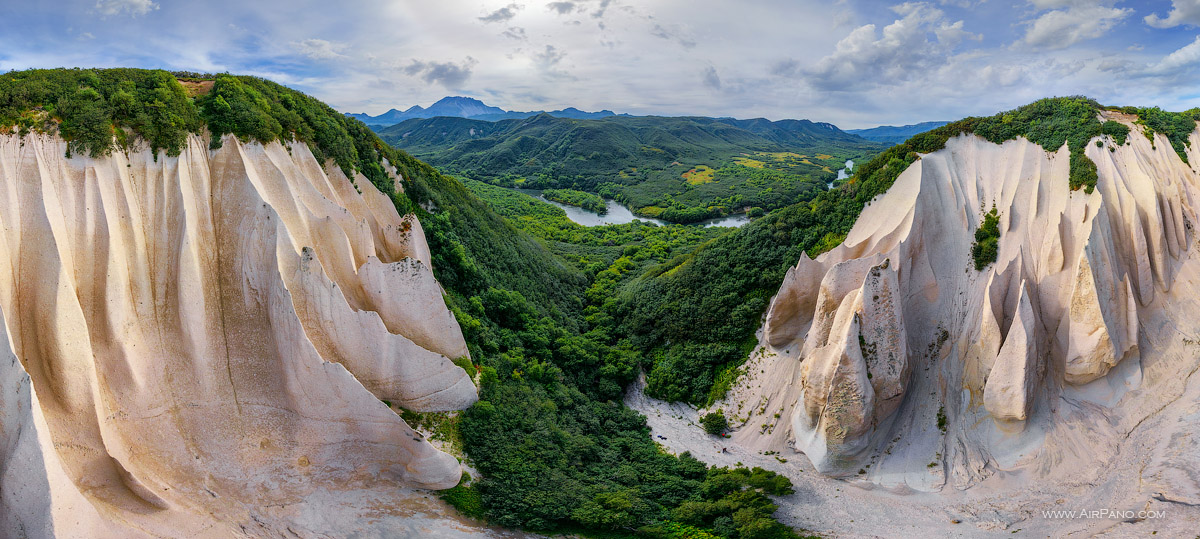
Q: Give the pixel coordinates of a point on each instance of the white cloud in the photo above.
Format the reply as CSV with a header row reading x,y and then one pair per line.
x,y
1042,5
1185,58
710,78
773,58
515,32
902,51
503,14
447,74
1182,12
1177,68
131,7
562,8
319,49
548,60
1071,21
674,32
549,57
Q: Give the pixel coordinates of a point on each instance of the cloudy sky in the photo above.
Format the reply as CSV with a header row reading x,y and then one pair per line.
x,y
856,63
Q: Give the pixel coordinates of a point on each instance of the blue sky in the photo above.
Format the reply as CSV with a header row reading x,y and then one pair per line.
x,y
856,63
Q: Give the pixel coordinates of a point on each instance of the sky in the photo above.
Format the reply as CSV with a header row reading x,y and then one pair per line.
x,y
855,63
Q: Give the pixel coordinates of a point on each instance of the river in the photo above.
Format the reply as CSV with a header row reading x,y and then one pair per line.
x,y
844,173
619,215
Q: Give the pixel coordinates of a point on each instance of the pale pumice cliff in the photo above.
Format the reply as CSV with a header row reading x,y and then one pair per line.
x,y
193,345
890,359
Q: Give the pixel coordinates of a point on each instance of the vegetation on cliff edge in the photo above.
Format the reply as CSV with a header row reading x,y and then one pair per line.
x,y
98,111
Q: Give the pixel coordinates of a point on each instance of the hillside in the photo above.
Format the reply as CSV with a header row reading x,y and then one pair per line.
x,y
677,169
236,309
1006,324
194,324
890,134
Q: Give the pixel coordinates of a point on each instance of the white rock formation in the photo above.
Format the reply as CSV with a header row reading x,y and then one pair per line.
x,y
891,358
1009,391
193,344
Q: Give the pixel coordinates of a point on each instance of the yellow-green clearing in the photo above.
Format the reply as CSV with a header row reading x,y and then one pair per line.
x,y
700,174
782,156
747,162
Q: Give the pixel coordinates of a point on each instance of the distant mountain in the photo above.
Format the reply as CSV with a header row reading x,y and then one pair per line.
x,y
890,134
680,169
551,139
467,107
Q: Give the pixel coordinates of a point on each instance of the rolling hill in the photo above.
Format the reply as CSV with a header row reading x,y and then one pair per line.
x,y
681,169
891,134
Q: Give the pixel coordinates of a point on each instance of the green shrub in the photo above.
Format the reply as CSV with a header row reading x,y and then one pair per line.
x,y
714,422
465,364
464,497
97,111
987,240
676,530
587,201
1176,126
1117,130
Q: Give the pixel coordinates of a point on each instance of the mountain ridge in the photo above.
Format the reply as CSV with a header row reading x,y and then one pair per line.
x,y
895,134
469,107
679,169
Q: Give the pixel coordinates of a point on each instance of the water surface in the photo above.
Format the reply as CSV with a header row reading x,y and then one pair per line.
x,y
619,215
843,173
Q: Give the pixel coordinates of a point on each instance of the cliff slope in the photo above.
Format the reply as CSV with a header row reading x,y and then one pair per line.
x,y
199,345
1063,369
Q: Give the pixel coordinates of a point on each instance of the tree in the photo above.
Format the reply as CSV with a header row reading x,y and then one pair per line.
x,y
714,422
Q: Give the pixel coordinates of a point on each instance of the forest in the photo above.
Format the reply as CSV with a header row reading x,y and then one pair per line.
x,y
681,170
587,201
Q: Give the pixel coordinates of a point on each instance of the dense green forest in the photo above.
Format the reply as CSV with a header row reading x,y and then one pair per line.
x,y
556,447
587,201
681,170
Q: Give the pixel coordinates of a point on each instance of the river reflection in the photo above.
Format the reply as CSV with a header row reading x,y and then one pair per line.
x,y
618,214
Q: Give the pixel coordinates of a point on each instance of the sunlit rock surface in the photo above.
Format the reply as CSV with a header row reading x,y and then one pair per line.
x,y
199,345
893,360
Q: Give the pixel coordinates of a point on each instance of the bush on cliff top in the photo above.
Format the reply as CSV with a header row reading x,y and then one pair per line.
x,y
98,111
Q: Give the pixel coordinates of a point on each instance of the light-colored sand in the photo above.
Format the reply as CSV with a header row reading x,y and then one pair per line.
x,y
197,346
1064,371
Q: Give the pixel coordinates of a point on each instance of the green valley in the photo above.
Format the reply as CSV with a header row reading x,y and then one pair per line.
x,y
680,170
